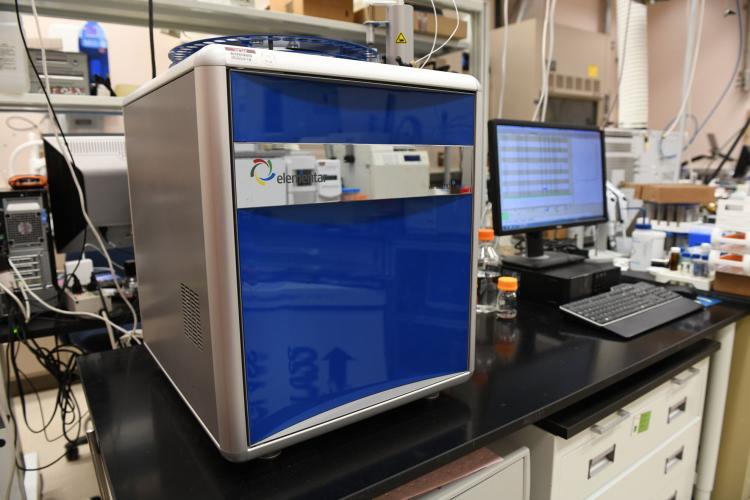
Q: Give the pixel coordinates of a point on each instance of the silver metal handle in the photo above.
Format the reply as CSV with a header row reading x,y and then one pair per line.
x,y
673,459
601,461
676,410
622,416
691,372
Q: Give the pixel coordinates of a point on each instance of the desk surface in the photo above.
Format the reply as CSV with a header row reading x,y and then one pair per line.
x,y
527,370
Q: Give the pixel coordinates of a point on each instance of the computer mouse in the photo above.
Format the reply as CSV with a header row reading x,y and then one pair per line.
x,y
686,290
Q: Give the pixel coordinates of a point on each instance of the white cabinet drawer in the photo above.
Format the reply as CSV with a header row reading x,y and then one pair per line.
x,y
668,409
595,462
666,471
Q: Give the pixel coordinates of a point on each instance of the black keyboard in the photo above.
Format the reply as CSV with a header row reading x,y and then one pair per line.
x,y
628,310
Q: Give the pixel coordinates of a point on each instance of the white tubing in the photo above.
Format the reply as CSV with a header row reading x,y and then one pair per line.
x,y
14,155
633,96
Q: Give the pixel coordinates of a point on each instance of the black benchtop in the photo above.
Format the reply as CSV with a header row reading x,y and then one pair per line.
x,y
526,371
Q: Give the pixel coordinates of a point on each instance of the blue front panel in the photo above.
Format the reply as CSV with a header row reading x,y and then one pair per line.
x,y
276,109
345,300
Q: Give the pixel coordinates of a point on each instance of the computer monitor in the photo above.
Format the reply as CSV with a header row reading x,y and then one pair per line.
x,y
102,171
742,167
545,176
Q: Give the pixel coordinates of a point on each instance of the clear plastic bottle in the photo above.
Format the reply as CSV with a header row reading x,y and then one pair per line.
x,y
507,300
697,264
488,271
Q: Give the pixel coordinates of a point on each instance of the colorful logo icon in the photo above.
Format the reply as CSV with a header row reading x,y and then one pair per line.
x,y
264,164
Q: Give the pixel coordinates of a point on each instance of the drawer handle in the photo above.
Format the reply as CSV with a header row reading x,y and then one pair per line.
x,y
676,410
691,372
622,416
601,461
673,460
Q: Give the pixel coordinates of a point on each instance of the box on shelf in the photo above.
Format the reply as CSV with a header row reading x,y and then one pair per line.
x,y
424,22
341,10
735,284
674,193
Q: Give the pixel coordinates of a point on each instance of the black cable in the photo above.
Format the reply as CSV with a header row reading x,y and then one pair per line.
x,y
15,423
728,153
151,37
46,97
41,83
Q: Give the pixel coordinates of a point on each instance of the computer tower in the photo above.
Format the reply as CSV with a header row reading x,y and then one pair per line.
x,y
26,241
278,318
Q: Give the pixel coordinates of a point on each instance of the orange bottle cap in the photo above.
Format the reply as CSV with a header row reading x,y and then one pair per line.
x,y
507,284
486,234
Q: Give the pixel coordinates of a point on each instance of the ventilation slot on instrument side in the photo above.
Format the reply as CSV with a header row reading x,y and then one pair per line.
x,y
191,315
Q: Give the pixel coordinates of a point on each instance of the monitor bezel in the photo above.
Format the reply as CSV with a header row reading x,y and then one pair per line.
x,y
494,181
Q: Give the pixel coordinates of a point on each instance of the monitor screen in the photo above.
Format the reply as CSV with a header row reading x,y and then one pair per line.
x,y
545,177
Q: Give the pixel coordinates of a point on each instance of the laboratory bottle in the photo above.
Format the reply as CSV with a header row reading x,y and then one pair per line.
x,y
674,258
642,248
14,65
93,43
488,271
697,264
507,300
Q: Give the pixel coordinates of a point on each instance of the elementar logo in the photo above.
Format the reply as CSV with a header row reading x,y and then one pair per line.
x,y
305,177
263,164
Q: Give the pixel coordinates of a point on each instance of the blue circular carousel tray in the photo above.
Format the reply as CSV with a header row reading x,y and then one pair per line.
x,y
292,43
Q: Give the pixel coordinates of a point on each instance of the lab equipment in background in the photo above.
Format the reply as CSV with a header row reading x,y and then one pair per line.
x,y
384,170
631,309
488,272
507,301
647,245
642,156
607,235
14,77
576,82
329,189
730,240
68,72
26,241
101,168
93,42
301,179
544,177
277,321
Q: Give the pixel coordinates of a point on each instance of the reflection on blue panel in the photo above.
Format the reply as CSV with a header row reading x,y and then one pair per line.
x,y
271,108
342,301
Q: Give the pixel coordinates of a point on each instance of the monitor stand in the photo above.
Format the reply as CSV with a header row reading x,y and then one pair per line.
x,y
536,258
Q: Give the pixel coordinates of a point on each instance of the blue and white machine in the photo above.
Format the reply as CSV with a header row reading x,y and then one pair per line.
x,y
279,316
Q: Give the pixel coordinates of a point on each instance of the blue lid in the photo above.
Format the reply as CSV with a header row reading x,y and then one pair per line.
x,y
292,43
643,226
350,190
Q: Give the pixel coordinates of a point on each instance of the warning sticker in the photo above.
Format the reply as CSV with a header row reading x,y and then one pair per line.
x,y
401,38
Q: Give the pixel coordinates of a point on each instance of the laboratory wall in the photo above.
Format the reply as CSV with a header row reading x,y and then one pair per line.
x,y
666,32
